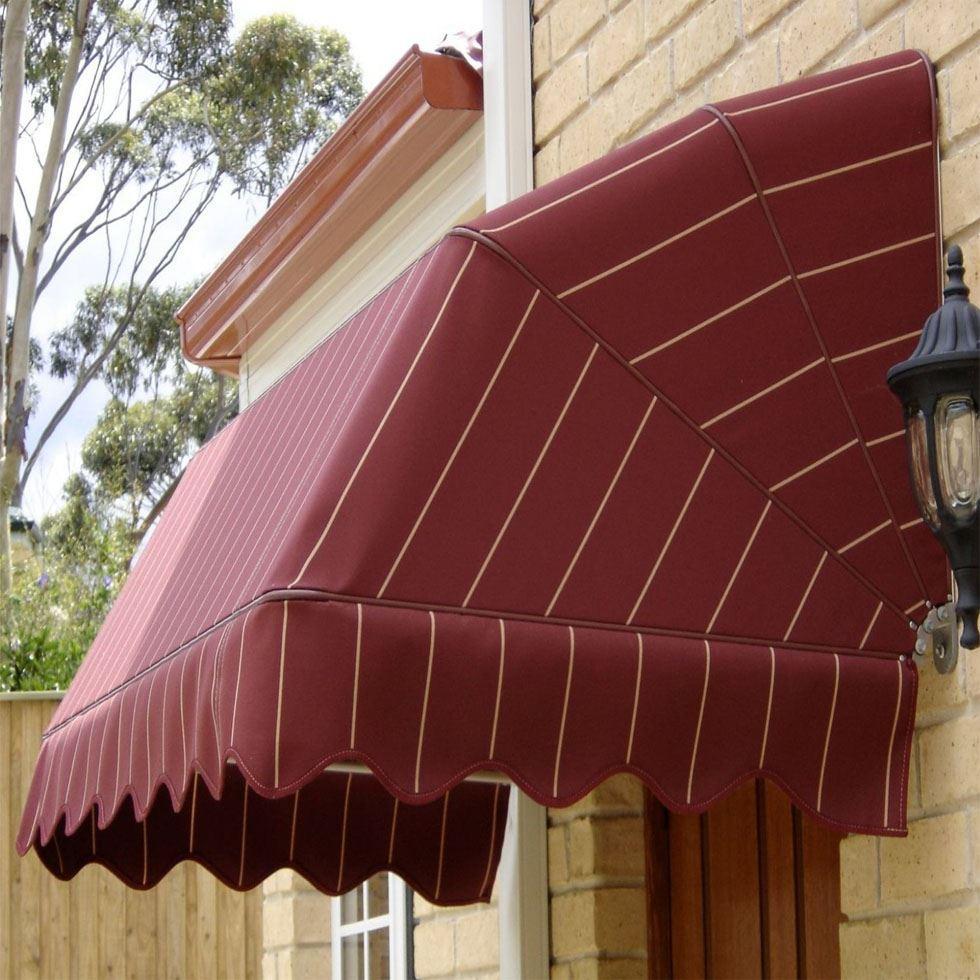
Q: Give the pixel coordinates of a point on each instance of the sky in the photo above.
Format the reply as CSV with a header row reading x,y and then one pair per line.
x,y
380,32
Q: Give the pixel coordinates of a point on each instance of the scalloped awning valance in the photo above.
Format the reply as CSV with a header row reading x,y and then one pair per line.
x,y
608,480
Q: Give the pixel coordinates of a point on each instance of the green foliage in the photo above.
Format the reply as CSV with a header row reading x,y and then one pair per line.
x,y
147,352
51,616
137,450
139,446
302,80
173,39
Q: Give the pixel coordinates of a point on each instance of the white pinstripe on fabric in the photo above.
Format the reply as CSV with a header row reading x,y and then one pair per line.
x,y
530,476
670,538
697,732
425,698
459,443
772,687
500,690
602,506
806,595
384,419
636,696
564,710
830,725
330,420
891,740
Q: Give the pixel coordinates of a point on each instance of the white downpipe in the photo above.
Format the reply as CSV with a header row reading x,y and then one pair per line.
x,y
508,139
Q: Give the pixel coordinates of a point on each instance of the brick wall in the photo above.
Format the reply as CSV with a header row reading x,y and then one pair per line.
x,y
607,71
458,942
596,883
295,929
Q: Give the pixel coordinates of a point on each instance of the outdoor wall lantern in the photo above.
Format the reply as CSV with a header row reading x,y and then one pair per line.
x,y
939,387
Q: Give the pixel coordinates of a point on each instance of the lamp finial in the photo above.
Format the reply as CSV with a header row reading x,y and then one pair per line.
x,y
954,272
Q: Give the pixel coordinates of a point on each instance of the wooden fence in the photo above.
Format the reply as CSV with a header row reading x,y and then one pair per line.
x,y
189,926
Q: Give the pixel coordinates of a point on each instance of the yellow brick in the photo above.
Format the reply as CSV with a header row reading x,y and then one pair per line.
x,y
477,941
541,48
704,40
933,860
871,11
914,795
613,847
973,663
562,93
280,881
573,928
971,257
269,966
858,874
612,920
756,67
304,963
892,948
546,163
758,13
886,39
949,761
662,14
540,6
940,26
422,908
572,20
974,817
433,949
961,189
596,968
618,794
615,969
621,919
588,136
939,693
302,917
616,45
953,942
557,856
642,91
812,31
964,94
277,927
684,106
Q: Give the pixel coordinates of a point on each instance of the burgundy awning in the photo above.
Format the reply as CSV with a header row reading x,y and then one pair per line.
x,y
607,481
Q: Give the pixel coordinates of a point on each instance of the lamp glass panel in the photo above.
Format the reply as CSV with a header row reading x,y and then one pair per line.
x,y
919,459
959,455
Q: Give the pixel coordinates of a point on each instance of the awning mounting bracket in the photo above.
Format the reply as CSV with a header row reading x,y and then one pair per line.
x,y
937,638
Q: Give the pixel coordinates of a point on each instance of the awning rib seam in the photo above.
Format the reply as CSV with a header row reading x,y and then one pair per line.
x,y
313,595
495,247
818,336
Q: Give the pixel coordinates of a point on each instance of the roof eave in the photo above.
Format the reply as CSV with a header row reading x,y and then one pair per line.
x,y
423,105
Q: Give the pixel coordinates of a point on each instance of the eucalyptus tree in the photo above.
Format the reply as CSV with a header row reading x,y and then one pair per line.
x,y
160,408
135,113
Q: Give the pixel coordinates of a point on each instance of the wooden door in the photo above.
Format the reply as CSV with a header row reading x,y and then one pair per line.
x,y
751,888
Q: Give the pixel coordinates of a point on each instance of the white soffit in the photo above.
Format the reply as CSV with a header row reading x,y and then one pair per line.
x,y
450,192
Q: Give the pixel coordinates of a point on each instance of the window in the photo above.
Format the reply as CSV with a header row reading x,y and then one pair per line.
x,y
370,932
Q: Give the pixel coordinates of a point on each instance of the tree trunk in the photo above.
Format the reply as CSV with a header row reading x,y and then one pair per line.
x,y
11,96
15,423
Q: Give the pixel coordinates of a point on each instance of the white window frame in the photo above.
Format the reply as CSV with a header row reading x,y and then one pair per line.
x,y
395,921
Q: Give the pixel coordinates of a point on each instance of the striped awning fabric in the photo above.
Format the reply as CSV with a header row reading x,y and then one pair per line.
x,y
608,480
